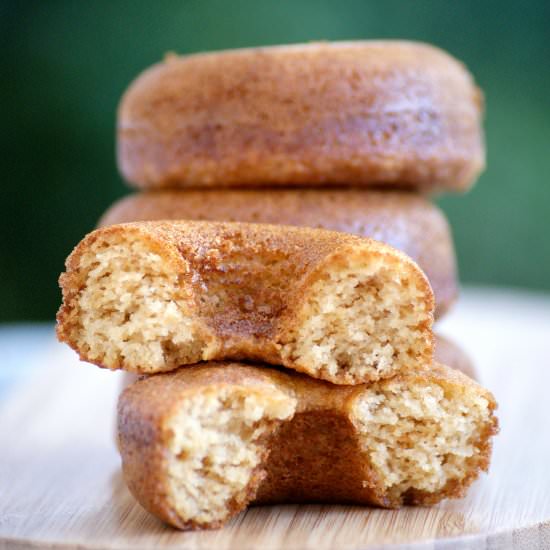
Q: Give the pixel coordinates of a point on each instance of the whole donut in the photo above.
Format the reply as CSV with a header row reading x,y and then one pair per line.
x,y
386,113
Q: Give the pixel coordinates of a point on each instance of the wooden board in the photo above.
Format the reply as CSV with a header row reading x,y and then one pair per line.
x,y
60,483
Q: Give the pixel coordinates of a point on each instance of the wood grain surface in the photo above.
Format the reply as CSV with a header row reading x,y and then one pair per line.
x,y
60,483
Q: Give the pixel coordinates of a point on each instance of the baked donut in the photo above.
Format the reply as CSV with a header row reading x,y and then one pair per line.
x,y
200,444
386,113
405,220
148,297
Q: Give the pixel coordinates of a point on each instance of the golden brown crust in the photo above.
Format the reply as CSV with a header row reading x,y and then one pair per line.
x,y
368,113
406,221
314,456
265,273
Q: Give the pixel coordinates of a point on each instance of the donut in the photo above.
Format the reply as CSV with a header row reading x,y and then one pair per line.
x,y
200,444
384,113
404,220
148,297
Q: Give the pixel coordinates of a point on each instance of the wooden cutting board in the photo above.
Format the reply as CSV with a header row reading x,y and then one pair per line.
x,y
60,483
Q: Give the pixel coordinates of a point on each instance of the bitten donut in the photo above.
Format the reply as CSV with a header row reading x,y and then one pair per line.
x,y
151,296
386,113
409,222
200,444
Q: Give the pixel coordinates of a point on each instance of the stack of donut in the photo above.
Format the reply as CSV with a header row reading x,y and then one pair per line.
x,y
275,281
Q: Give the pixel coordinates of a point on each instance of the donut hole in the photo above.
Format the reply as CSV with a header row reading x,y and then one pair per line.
x,y
217,442
361,323
420,438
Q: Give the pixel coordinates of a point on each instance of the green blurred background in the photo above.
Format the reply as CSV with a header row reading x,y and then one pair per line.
x,y
65,65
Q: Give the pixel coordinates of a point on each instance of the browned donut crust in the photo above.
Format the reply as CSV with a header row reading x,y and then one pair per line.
x,y
370,113
151,296
404,220
200,444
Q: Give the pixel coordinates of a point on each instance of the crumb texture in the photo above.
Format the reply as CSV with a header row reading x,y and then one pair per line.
x,y
360,323
421,437
129,310
218,440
